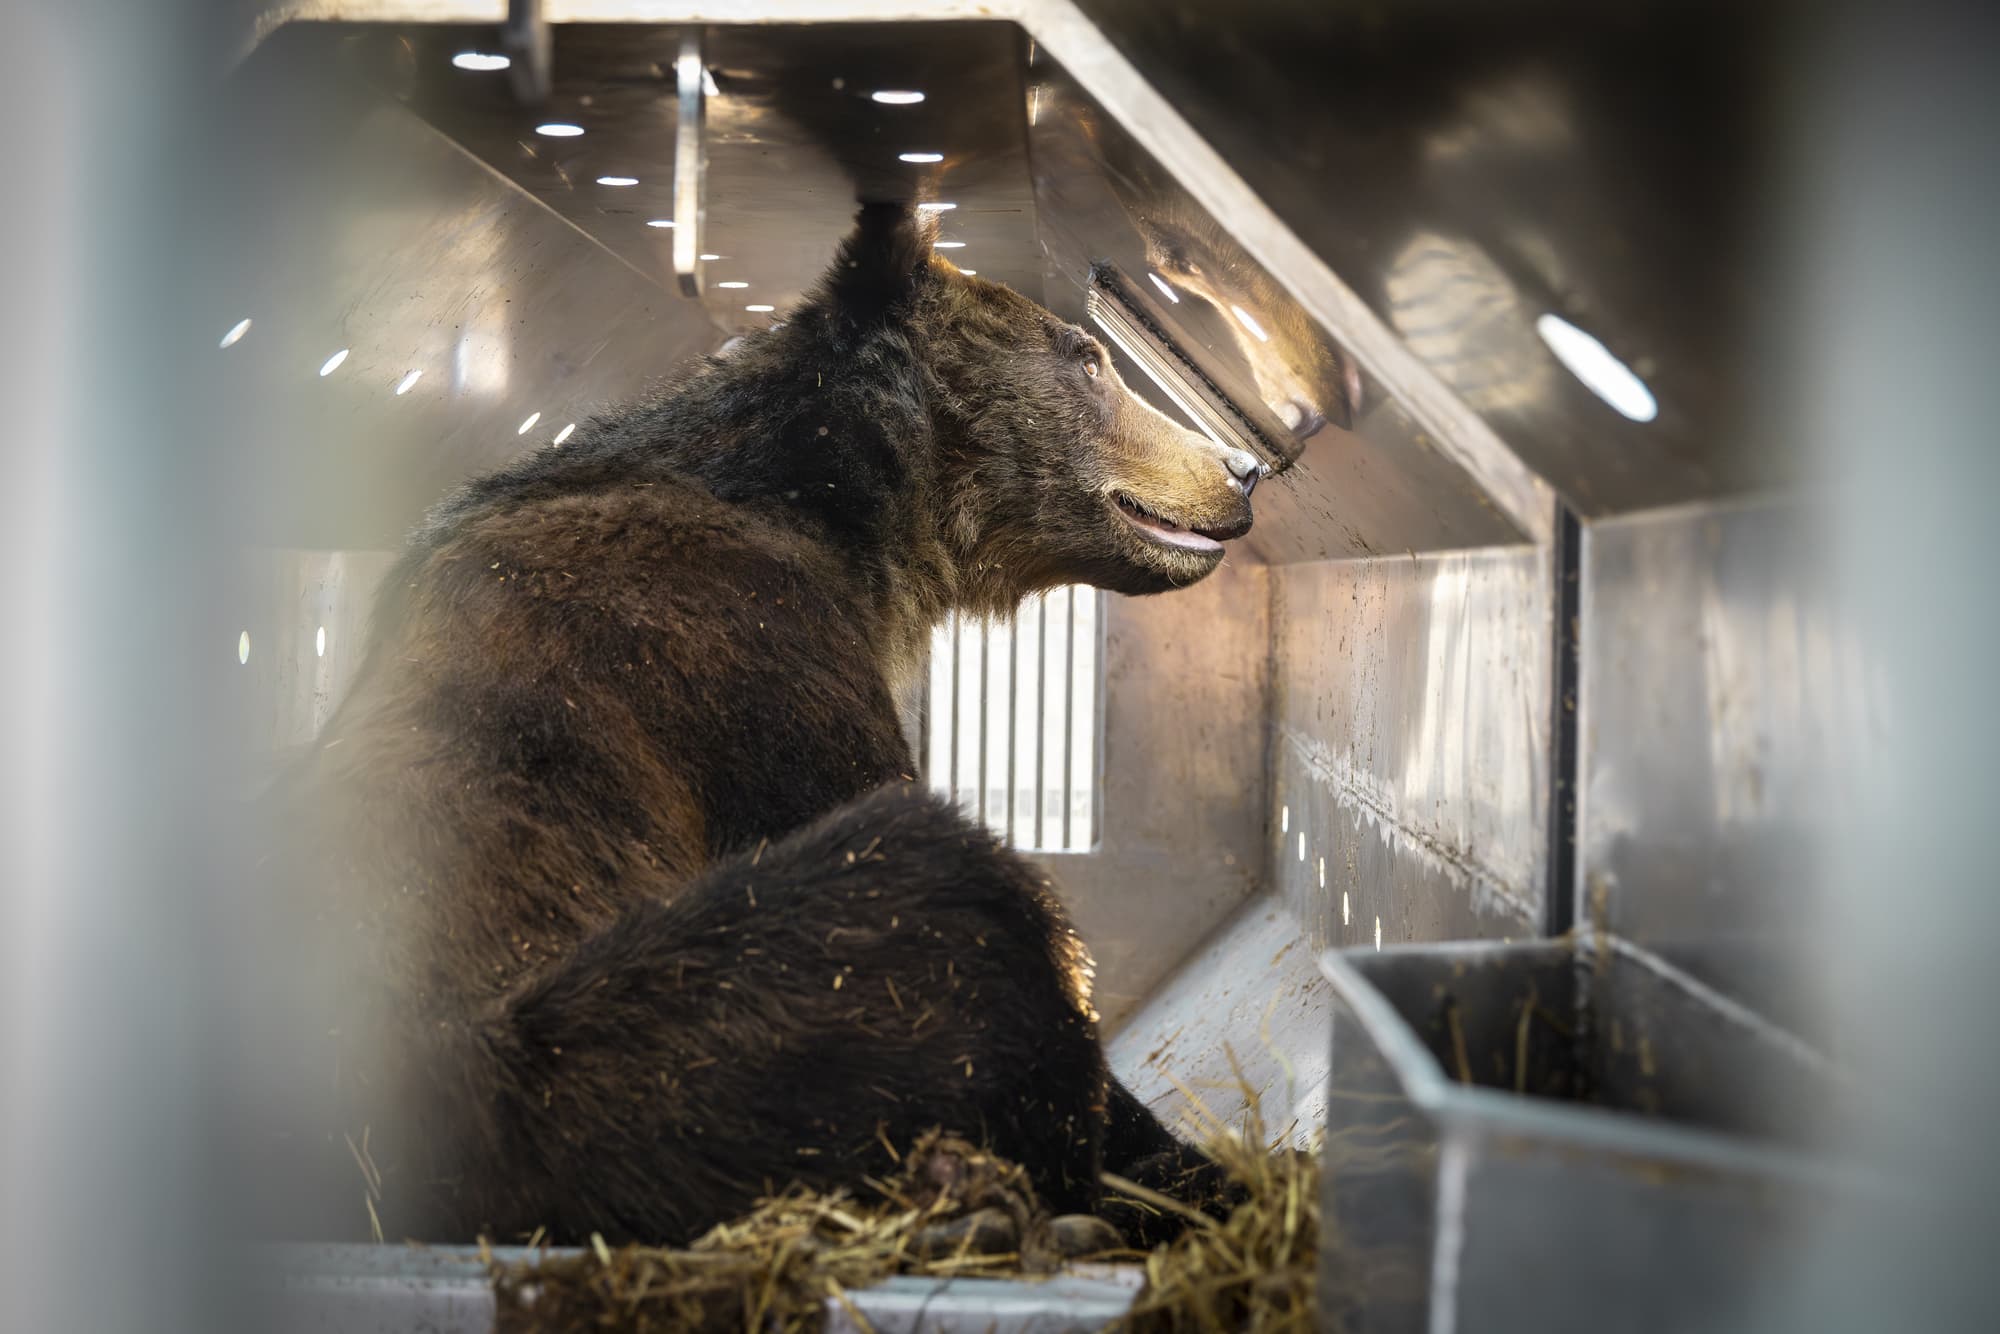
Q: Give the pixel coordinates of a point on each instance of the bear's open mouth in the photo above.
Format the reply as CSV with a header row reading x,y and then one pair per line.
x,y
1160,528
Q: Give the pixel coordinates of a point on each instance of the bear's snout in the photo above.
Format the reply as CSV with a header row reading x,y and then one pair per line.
x,y
1245,468
1233,527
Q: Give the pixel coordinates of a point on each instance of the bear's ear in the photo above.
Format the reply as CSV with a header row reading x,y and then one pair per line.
x,y
882,261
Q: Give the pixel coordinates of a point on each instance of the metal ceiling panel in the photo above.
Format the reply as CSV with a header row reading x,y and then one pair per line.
x,y
1470,169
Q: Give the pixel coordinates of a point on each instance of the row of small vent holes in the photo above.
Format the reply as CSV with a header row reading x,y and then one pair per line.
x,y
1011,719
1346,908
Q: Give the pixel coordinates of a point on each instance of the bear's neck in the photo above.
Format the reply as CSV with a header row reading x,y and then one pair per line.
x,y
839,435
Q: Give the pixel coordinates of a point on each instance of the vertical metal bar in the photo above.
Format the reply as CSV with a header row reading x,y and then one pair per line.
x,y
1013,727
1069,716
1041,703
531,50
1089,690
922,755
689,168
985,695
951,770
937,713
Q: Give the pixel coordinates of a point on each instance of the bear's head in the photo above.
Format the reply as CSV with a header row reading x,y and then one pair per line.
x,y
1049,469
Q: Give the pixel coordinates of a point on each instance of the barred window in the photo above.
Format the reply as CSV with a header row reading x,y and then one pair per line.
x,y
1012,719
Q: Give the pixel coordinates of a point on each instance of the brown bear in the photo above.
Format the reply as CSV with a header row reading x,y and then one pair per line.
x,y
628,909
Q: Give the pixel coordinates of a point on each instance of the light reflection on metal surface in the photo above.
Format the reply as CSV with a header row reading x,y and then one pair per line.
x,y
1142,344
1249,321
1301,377
1585,357
1458,311
1411,742
690,162
480,357
317,605
1549,141
444,280
790,141
531,47
1250,1001
1377,484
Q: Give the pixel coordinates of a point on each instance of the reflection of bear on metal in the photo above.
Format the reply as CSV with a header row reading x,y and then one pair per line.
x,y
1302,378
639,937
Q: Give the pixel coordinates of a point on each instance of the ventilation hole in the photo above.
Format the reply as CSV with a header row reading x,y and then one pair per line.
x,y
1013,722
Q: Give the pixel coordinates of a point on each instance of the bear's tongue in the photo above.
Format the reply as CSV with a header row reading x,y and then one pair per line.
x,y
1161,531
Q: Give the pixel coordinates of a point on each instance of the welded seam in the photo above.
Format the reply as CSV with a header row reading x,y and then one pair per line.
x,y
1565,721
1471,874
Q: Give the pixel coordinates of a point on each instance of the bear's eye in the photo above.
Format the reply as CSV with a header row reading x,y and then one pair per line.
x,y
1092,366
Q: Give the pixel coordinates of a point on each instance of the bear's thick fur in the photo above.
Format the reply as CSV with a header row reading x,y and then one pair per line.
x,y
637,912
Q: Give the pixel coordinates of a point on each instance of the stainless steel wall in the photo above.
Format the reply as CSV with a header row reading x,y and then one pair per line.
x,y
361,229
1186,691
1723,694
1411,745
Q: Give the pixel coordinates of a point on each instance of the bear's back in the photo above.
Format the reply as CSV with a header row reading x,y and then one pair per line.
x,y
579,702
